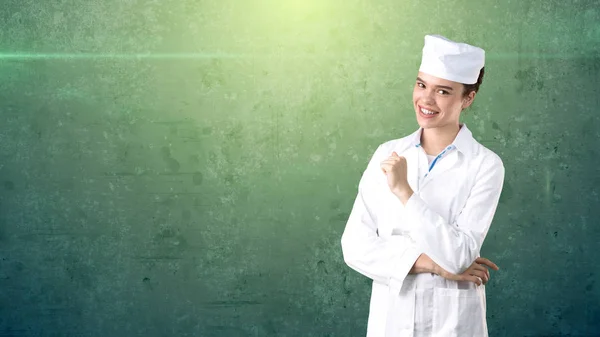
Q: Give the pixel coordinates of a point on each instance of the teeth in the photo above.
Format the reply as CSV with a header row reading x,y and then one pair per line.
x,y
427,112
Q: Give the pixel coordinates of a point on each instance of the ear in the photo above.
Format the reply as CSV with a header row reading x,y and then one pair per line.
x,y
467,101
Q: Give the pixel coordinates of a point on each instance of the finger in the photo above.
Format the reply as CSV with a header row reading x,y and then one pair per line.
x,y
385,167
395,154
481,270
487,272
483,260
390,164
472,278
480,267
481,274
477,272
391,161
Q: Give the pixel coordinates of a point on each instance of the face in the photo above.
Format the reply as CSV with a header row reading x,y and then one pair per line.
x,y
442,97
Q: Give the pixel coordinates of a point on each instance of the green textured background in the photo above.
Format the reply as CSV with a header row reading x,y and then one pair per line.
x,y
186,168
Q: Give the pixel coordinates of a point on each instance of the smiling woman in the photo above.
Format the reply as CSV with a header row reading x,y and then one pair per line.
x,y
458,91
417,231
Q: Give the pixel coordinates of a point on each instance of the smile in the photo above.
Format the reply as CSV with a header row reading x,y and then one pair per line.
x,y
427,112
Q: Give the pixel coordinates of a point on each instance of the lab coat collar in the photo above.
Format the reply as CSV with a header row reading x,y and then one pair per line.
x,y
464,141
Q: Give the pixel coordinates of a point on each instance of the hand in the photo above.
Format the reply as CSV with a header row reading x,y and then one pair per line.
x,y
395,169
476,273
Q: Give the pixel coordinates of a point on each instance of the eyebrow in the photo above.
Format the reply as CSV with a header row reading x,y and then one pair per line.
x,y
439,86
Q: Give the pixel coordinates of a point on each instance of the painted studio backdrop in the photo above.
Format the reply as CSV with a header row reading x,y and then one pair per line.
x,y
186,168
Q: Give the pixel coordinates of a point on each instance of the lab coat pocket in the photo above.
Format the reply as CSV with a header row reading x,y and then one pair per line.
x,y
458,313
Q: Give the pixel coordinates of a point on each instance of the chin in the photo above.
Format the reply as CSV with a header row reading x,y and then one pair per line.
x,y
425,123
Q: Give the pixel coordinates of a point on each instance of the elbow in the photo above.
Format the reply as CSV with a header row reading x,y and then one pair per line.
x,y
471,252
348,251
345,248
349,261
461,256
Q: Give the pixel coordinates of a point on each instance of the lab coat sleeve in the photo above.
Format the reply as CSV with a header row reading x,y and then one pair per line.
x,y
384,260
455,246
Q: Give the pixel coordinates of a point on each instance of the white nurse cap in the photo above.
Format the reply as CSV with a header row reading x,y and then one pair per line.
x,y
450,60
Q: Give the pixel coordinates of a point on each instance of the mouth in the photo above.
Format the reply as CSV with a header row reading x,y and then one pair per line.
x,y
427,112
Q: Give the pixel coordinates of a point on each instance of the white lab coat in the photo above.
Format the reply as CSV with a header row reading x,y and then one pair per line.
x,y
447,218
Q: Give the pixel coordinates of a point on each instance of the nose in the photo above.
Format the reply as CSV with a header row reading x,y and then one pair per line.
x,y
428,96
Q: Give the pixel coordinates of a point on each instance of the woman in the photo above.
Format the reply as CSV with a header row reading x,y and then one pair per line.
x,y
424,206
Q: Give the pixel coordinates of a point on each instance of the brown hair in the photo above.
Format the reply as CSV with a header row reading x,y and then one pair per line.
x,y
473,87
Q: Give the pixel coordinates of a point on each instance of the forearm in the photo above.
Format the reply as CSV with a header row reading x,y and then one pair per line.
x,y
455,242
385,260
450,245
425,264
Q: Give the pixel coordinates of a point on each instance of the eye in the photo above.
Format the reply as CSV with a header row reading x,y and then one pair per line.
x,y
443,92
420,85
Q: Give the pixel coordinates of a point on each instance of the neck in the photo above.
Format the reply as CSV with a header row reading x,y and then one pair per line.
x,y
435,140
